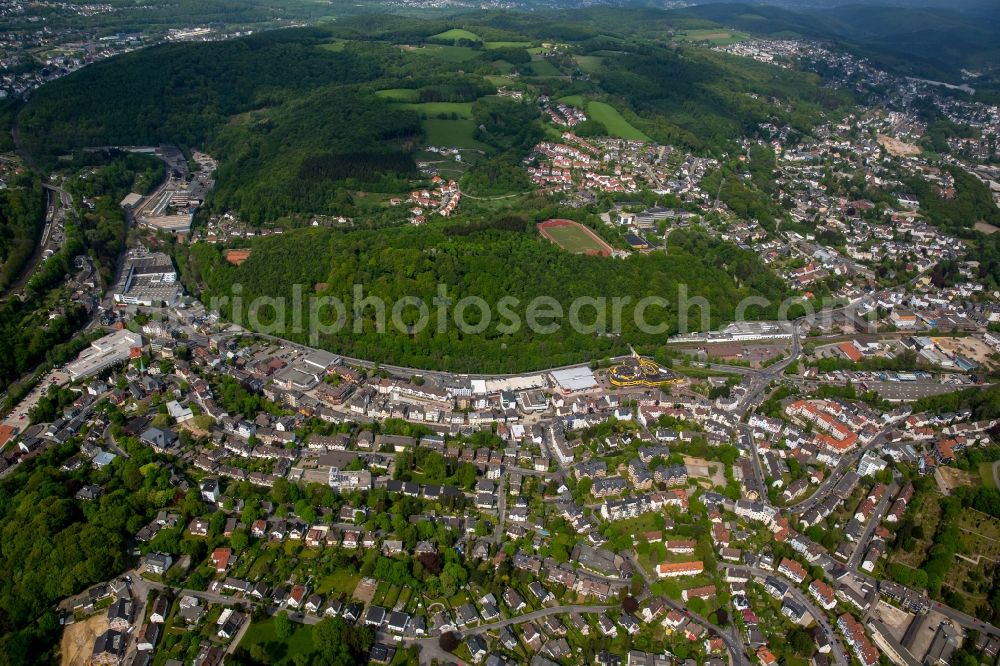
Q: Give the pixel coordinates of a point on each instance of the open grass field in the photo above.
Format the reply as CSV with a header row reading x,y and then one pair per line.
x,y
451,133
574,100
589,63
507,45
542,67
455,34
338,584
446,52
607,115
499,80
716,37
614,121
262,565
399,94
574,237
463,110
280,651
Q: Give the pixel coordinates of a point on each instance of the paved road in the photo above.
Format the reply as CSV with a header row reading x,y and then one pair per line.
x,y
732,640
430,650
534,615
846,463
873,523
501,508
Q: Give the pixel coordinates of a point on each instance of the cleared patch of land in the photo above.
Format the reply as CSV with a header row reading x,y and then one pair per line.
x,y
897,147
970,348
614,121
446,52
713,36
986,228
507,45
542,67
952,478
78,639
461,110
451,133
574,237
454,35
589,63
365,590
399,94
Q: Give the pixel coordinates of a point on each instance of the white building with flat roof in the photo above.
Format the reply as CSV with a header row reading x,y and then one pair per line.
x,y
104,353
571,380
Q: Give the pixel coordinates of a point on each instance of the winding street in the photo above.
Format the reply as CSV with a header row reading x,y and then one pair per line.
x,y
839,653
430,650
731,638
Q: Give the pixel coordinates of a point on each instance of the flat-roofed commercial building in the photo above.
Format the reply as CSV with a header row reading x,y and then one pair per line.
x,y
104,353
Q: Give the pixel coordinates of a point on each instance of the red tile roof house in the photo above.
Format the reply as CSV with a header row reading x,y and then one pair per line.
x,y
823,593
673,569
792,569
221,557
297,596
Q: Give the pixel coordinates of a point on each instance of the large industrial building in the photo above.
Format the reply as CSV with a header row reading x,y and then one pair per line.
x,y
148,279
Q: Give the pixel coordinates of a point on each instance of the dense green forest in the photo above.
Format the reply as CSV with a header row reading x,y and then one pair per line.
x,y
180,93
55,546
22,213
704,99
490,263
286,160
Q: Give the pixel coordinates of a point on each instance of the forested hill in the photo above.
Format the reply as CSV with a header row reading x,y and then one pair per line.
x,y
181,93
300,119
935,42
506,259
22,212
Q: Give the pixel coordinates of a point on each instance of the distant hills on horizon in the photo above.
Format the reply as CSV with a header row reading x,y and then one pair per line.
x,y
918,38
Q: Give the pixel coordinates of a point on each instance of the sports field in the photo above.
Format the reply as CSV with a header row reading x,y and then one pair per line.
x,y
573,237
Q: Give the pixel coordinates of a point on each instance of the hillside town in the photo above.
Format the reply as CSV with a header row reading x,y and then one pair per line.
x,y
615,512
815,488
